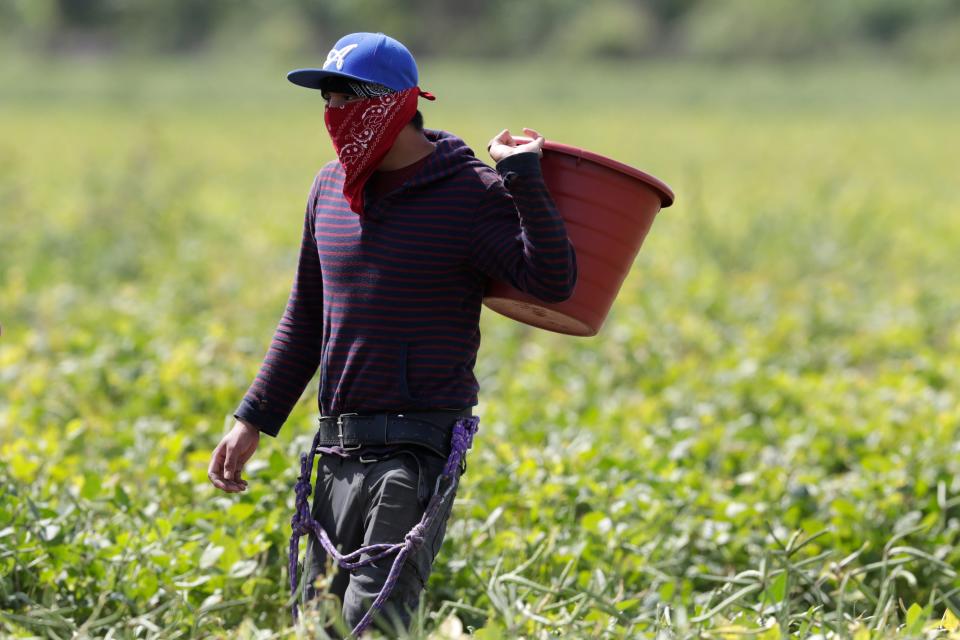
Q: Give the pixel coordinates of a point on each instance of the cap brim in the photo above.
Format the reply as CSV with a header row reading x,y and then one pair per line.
x,y
311,78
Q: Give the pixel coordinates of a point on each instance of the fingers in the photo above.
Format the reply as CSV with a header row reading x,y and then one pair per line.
x,y
535,144
218,472
230,463
216,463
513,146
233,466
533,134
536,140
503,137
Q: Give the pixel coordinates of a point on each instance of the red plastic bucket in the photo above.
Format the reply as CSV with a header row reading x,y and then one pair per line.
x,y
608,208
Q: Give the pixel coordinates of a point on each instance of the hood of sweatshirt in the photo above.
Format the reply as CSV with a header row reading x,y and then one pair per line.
x,y
451,155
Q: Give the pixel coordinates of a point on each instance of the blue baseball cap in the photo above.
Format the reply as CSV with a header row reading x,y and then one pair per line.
x,y
366,57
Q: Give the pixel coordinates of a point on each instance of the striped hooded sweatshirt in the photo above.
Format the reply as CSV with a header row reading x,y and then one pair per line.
x,y
387,304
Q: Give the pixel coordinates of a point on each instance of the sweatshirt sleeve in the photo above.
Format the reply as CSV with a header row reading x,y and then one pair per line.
x,y
519,236
294,353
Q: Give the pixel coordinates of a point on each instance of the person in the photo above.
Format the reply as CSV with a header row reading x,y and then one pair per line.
x,y
402,233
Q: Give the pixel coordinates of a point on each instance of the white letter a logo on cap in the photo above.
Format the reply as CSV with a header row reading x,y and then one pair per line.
x,y
337,55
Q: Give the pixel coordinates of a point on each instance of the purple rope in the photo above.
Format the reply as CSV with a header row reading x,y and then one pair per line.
x,y
303,522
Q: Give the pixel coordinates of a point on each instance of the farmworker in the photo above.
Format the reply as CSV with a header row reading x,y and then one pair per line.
x,y
400,236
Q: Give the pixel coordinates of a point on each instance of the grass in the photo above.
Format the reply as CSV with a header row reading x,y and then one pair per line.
x,y
761,441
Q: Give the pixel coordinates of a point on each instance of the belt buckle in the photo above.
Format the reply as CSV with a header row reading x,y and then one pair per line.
x,y
340,432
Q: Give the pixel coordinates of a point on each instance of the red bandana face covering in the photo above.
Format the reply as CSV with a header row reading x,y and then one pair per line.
x,y
363,131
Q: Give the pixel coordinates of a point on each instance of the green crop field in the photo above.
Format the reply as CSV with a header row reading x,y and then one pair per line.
x,y
762,441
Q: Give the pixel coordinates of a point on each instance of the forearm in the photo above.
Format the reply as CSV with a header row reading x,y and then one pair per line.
x,y
540,259
294,353
290,363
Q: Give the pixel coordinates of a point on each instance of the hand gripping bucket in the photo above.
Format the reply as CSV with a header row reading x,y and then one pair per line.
x,y
608,208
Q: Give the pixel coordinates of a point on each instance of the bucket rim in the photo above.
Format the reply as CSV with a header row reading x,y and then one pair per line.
x,y
666,193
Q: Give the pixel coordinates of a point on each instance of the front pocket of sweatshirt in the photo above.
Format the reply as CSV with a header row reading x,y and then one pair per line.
x,y
369,374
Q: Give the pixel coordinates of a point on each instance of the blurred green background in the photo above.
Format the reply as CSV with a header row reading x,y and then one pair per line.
x,y
782,360
927,31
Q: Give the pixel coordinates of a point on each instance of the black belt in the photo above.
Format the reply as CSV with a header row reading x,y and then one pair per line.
x,y
431,429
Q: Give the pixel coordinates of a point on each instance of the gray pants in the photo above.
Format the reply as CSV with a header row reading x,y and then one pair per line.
x,y
367,501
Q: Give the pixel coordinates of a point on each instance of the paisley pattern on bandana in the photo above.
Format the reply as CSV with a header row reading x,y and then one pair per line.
x,y
362,133
369,89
